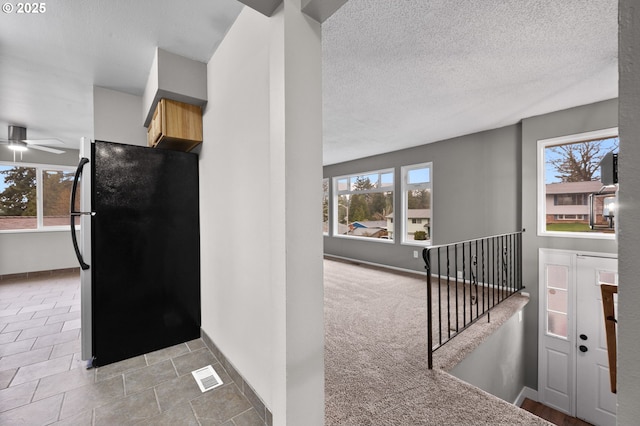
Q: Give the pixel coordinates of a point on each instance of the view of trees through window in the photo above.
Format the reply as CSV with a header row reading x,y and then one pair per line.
x,y
571,176
56,194
417,196
325,206
19,206
364,205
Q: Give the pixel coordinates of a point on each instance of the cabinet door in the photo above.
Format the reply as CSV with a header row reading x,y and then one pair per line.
x,y
181,121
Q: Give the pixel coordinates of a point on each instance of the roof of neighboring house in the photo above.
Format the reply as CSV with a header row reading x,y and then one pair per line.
x,y
366,227
415,214
418,213
370,224
574,187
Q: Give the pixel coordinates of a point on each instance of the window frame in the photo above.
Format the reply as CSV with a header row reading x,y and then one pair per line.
x,y
547,309
564,217
336,193
542,144
574,197
40,169
404,188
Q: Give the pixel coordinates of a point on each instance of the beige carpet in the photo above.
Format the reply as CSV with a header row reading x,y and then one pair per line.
x,y
376,358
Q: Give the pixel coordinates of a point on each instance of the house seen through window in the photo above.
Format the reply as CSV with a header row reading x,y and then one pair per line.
x,y
573,198
34,197
416,201
363,205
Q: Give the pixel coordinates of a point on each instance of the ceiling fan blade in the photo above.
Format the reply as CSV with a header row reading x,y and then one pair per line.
x,y
44,141
45,148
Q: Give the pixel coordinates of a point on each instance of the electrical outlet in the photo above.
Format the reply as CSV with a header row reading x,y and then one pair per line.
x,y
415,254
459,275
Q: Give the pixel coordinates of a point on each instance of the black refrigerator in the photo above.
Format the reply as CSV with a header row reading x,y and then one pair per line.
x,y
138,248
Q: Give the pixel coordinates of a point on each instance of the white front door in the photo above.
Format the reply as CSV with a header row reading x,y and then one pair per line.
x,y
573,368
595,402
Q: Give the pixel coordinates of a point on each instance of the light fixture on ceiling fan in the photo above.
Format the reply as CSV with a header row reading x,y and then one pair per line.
x,y
18,142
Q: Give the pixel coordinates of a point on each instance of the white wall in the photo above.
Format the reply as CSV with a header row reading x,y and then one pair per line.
x,y
235,202
175,77
629,224
117,117
260,187
36,251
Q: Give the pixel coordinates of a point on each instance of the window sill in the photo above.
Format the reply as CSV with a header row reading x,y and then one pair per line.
x,y
417,243
583,235
37,231
351,237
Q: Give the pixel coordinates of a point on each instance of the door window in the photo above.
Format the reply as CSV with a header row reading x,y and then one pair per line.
x,y
557,300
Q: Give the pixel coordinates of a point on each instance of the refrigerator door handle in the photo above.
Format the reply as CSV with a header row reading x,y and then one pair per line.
x,y
74,213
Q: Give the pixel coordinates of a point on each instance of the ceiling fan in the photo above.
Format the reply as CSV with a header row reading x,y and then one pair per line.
x,y
17,141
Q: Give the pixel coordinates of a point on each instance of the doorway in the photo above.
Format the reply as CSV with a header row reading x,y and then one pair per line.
x,y
573,371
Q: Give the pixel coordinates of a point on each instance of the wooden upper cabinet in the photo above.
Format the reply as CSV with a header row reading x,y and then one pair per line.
x,y
175,125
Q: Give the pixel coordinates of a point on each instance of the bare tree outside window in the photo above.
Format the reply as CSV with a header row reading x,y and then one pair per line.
x,y
579,162
571,174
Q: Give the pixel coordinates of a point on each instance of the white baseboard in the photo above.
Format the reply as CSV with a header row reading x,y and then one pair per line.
x,y
526,392
378,265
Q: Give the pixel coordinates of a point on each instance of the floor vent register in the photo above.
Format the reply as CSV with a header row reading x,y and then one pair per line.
x,y
207,378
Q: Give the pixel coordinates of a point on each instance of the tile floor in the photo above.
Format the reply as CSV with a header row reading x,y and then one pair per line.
x,y
43,380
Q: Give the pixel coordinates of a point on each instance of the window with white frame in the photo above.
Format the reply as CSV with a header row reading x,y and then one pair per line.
x,y
325,206
34,197
572,200
416,203
363,205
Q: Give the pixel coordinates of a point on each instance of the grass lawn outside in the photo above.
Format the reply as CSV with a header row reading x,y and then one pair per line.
x,y
572,227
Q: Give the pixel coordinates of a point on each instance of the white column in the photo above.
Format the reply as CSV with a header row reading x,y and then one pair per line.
x,y
629,224
261,204
296,158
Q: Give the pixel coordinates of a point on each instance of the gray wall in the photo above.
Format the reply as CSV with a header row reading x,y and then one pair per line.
x,y
504,379
629,236
484,184
475,190
586,118
117,117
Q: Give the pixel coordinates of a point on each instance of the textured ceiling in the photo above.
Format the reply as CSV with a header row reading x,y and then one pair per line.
x,y
50,62
396,73
400,73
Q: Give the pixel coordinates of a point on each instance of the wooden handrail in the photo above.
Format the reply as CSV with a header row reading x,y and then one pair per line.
x,y
610,323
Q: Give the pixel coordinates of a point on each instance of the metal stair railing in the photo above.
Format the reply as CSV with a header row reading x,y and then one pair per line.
x,y
469,278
